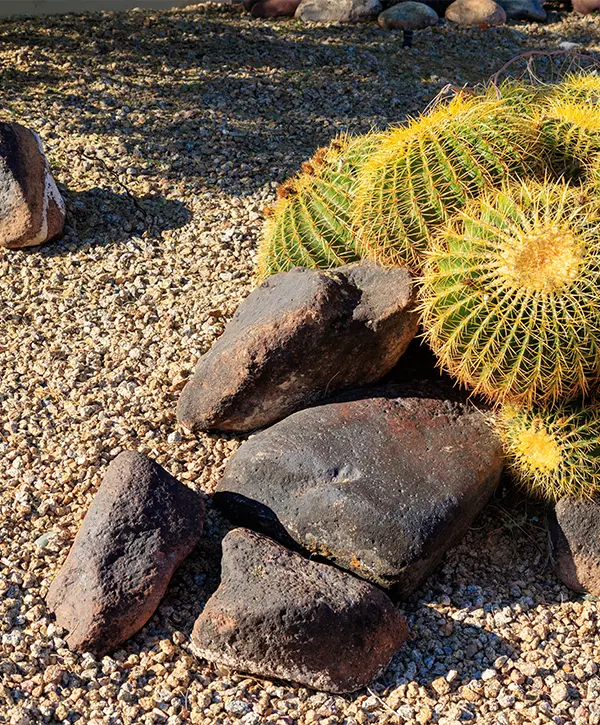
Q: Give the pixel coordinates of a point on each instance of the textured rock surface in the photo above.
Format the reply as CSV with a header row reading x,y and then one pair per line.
x,y
338,11
141,525
574,527
476,12
380,487
276,614
299,336
409,14
526,9
32,210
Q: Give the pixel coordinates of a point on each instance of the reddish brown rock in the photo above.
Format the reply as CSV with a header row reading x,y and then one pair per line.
x,y
141,525
486,13
380,486
574,527
274,8
32,210
276,614
301,335
585,7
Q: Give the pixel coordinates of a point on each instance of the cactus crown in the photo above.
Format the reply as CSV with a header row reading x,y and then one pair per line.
x,y
509,294
553,451
426,170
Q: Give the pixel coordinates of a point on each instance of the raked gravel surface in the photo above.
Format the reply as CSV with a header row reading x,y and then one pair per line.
x,y
168,132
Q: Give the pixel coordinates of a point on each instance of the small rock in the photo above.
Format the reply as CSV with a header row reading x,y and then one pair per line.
x,y
32,211
381,486
523,10
338,11
441,686
488,674
567,45
299,336
559,693
408,15
276,614
485,13
574,528
141,525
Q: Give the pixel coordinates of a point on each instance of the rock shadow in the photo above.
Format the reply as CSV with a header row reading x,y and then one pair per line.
x,y
101,217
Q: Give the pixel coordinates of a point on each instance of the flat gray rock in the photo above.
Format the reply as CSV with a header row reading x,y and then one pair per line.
x,y
276,614
297,338
381,487
141,525
338,11
574,528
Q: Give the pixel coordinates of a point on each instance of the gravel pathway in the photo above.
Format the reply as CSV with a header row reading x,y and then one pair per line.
x,y
168,132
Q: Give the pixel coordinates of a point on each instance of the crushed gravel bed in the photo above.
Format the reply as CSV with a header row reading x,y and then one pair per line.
x,y
168,133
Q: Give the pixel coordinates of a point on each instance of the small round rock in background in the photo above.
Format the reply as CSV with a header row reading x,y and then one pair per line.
x,y
408,15
476,12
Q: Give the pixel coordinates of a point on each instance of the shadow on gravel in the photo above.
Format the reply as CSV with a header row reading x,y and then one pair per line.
x,y
100,217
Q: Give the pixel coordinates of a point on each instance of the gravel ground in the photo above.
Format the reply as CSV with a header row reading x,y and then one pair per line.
x,y
168,132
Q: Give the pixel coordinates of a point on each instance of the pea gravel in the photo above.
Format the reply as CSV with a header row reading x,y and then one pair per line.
x,y
168,132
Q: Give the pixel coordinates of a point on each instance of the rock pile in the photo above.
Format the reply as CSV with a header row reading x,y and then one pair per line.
x,y
376,484
345,504
409,15
32,210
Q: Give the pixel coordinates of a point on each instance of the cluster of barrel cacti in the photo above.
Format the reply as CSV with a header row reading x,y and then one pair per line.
x,y
492,198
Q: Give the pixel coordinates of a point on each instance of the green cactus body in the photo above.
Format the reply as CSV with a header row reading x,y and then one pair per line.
x,y
510,294
553,451
425,171
310,224
569,122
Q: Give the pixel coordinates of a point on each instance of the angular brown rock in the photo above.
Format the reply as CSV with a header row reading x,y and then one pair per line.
x,y
380,486
32,210
301,335
141,525
574,528
276,614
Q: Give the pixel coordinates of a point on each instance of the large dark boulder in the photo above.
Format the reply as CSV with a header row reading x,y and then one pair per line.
x,y
141,525
276,614
574,527
381,486
32,210
301,335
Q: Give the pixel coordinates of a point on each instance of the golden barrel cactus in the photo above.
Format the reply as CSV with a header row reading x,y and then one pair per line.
x,y
425,171
510,297
553,451
309,226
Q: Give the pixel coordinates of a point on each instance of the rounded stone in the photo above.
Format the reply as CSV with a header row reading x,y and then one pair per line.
x,y
476,12
408,15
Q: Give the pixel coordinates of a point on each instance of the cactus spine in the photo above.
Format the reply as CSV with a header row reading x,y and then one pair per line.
x,y
553,451
425,171
309,225
510,294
